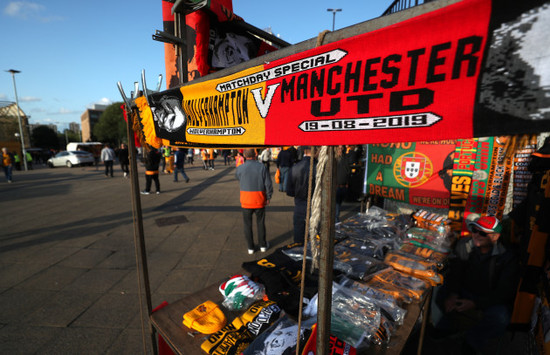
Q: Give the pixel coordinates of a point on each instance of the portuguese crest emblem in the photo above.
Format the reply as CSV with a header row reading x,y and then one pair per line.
x,y
412,169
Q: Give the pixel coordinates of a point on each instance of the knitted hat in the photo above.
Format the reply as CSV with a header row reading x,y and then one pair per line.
x,y
206,318
488,224
239,292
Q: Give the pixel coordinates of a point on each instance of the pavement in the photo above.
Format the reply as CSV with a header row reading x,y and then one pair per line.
x,y
68,276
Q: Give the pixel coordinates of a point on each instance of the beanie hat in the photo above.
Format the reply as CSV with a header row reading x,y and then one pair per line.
x,y
206,318
239,292
488,224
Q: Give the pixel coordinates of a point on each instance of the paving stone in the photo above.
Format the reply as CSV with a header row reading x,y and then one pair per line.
x,y
15,273
61,309
15,304
52,255
25,339
119,259
131,342
52,278
81,340
185,281
96,280
112,310
86,258
204,257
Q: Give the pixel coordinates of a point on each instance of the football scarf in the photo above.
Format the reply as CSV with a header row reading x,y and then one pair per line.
x,y
475,68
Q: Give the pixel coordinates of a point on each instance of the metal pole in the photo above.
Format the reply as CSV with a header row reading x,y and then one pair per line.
x,y
180,30
23,151
334,11
328,201
139,239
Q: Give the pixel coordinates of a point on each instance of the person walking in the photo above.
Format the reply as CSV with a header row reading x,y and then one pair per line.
x,y
29,160
211,156
17,161
168,160
152,162
163,153
297,186
265,157
285,160
123,159
179,161
204,159
343,174
7,164
108,158
191,155
239,159
226,154
256,190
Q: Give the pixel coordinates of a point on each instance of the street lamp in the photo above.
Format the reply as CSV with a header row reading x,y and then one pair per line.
x,y
23,151
334,11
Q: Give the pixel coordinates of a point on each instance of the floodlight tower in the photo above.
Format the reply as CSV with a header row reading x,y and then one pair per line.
x,y
334,11
23,151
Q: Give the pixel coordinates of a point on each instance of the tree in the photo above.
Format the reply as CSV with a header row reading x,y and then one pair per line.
x,y
67,136
44,137
111,127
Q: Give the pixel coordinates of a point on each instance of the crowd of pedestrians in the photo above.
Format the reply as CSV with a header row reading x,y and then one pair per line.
x,y
252,171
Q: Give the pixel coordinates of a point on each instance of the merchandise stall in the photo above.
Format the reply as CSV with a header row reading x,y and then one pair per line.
x,y
407,87
377,306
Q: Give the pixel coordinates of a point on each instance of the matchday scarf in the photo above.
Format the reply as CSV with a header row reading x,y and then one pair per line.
x,y
475,68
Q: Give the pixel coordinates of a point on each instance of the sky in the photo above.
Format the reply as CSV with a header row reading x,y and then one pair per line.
x,y
71,54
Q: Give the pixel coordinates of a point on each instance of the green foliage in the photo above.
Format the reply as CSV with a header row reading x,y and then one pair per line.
x,y
66,137
44,137
111,127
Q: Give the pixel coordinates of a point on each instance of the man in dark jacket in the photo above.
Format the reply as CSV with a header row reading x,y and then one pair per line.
x,y
152,163
179,161
479,291
297,187
124,159
285,160
343,173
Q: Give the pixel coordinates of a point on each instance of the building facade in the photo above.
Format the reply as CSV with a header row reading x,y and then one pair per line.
x,y
88,120
9,127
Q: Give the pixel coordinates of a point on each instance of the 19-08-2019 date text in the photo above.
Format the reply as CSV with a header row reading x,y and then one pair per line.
x,y
384,122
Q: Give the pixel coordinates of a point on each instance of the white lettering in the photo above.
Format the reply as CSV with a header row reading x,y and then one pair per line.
x,y
261,104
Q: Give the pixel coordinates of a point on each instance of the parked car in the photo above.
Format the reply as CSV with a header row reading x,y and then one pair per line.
x,y
71,158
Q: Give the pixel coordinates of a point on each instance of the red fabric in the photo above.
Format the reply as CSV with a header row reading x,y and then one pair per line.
x,y
167,11
136,136
386,83
170,59
199,22
163,347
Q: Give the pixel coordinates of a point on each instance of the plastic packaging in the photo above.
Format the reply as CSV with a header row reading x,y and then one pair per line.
x,y
413,266
354,264
354,319
391,290
410,285
296,252
240,292
387,303
429,239
425,253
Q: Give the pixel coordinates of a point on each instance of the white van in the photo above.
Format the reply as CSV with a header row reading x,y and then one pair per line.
x,y
87,146
91,147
